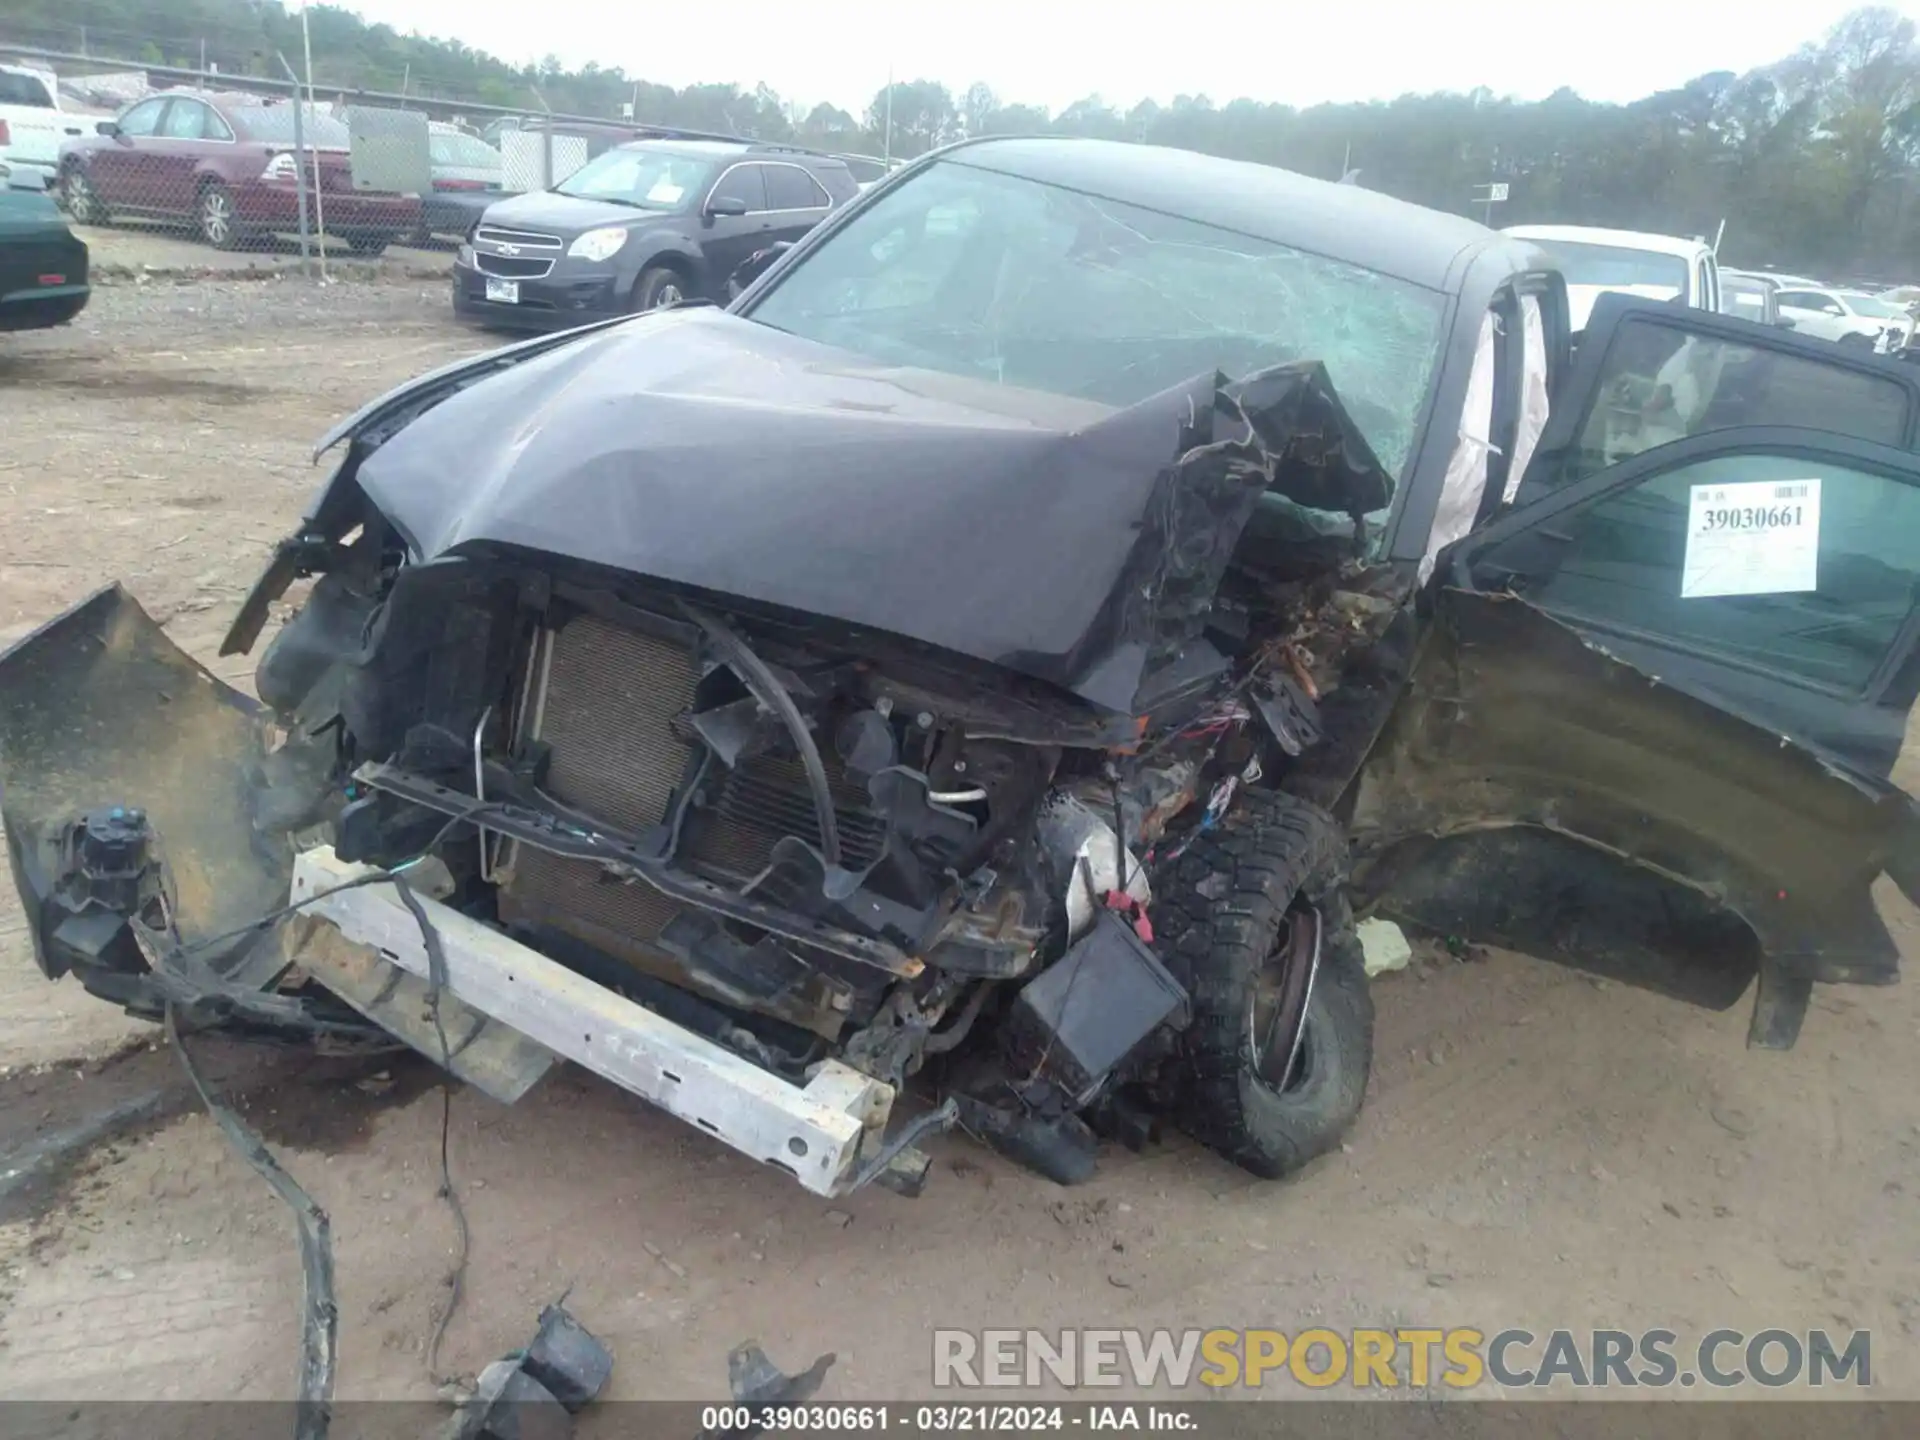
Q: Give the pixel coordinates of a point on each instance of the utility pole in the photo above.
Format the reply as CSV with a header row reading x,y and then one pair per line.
x,y
886,143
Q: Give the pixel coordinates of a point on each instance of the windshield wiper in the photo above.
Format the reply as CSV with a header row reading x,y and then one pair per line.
x,y
604,199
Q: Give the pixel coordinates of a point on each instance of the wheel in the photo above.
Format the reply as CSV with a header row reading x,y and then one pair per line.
x,y
659,288
219,226
1244,908
82,200
1857,342
369,245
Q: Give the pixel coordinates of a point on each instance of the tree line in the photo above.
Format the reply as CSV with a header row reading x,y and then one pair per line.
x,y
1810,163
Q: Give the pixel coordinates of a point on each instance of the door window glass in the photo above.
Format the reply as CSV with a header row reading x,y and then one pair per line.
x,y
744,183
1659,384
142,118
791,188
1790,565
18,89
185,121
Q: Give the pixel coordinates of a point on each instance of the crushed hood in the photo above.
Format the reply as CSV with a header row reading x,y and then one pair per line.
x,y
1062,538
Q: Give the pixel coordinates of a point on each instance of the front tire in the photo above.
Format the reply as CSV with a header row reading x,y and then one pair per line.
x,y
1234,901
660,287
218,223
82,200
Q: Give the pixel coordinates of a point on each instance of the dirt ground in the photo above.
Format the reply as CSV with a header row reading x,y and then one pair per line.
x,y
1538,1150
126,251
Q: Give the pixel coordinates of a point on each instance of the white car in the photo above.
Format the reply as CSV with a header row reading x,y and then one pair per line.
x,y
1632,262
32,124
1905,298
1848,317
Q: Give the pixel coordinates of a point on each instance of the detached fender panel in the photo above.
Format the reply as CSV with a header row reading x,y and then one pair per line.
x,y
1511,719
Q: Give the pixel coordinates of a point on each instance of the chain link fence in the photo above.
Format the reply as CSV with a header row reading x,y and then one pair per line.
x,y
303,178
242,172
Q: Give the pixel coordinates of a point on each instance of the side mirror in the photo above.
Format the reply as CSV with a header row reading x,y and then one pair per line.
x,y
23,179
726,206
109,128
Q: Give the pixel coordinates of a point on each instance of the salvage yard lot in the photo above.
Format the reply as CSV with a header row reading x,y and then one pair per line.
x,y
1538,1150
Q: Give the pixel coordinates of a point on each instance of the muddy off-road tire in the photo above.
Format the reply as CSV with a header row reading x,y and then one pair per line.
x,y
1225,911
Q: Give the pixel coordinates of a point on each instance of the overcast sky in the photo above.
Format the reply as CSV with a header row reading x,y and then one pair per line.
x,y
1052,52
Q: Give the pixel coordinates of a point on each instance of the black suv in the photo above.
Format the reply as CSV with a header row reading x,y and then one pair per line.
x,y
641,227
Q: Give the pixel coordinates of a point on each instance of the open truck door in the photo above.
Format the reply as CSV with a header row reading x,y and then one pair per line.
x,y
1652,724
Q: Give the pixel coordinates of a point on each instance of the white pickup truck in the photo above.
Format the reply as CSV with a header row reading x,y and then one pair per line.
x,y
32,124
1654,267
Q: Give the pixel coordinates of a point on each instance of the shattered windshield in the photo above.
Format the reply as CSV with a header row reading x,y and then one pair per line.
x,y
980,274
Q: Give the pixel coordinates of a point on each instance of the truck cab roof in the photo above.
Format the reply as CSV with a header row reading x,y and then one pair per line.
x,y
1622,239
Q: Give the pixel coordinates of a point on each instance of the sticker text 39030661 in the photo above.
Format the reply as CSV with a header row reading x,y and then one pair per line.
x,y
1757,538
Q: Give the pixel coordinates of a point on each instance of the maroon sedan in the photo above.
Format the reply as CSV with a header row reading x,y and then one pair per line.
x,y
225,165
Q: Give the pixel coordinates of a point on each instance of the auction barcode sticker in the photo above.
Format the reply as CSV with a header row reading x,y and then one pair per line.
x,y
1760,537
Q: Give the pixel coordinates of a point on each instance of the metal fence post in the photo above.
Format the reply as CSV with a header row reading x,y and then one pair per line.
x,y
546,142
319,204
299,168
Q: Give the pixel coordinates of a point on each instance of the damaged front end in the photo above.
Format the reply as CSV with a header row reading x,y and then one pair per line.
x,y
757,821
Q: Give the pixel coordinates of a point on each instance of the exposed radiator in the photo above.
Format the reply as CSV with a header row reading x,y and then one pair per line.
x,y
606,708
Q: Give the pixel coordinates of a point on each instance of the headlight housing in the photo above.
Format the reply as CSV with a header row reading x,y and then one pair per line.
x,y
602,244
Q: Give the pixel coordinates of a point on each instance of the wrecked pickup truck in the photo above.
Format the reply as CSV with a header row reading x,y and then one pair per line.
x,y
1007,647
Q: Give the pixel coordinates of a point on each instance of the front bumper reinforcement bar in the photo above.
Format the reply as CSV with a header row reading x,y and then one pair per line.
x,y
820,1134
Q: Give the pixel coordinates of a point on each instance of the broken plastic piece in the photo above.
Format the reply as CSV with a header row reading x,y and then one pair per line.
x,y
1078,1020
533,1394
1384,945
754,1380
566,1359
